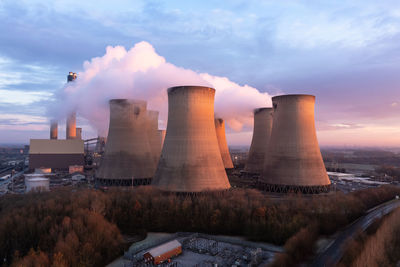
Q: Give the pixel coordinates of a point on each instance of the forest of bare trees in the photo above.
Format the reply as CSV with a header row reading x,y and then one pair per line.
x,y
83,228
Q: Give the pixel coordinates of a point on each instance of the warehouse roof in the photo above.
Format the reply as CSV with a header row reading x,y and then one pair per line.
x,y
46,146
157,251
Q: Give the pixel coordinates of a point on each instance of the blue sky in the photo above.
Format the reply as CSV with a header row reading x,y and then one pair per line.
x,y
347,53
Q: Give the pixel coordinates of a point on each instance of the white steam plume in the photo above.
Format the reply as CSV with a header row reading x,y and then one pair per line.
x,y
141,73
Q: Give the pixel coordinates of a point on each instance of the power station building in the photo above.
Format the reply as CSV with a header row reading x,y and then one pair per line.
x,y
55,154
128,158
293,162
263,121
222,143
191,159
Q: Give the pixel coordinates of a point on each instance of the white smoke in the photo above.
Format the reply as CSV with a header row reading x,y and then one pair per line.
x,y
141,73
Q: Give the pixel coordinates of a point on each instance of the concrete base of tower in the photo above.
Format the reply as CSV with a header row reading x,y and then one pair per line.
x,y
285,189
122,182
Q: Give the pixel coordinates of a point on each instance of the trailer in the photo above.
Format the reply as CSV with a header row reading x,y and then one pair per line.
x,y
163,252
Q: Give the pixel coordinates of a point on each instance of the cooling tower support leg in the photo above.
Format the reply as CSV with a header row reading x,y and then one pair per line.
x,y
294,189
122,182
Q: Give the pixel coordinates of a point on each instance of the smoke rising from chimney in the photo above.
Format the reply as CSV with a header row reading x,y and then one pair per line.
x,y
141,73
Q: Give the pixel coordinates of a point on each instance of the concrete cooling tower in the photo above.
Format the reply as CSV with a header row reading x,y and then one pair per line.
x,y
223,145
161,136
293,162
152,133
53,130
128,159
191,160
263,120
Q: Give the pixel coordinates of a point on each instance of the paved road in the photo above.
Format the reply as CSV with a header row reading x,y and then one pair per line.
x,y
332,255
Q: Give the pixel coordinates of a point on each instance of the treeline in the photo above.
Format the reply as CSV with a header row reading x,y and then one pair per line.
x,y
389,170
382,248
374,157
56,229
83,228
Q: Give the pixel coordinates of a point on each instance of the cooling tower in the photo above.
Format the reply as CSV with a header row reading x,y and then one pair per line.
x,y
223,145
79,133
127,157
263,121
71,126
161,136
53,129
190,160
152,133
293,161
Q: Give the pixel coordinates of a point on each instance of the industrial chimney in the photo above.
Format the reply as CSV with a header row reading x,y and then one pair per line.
x,y
293,162
53,129
128,159
79,133
71,118
190,160
71,126
263,121
222,143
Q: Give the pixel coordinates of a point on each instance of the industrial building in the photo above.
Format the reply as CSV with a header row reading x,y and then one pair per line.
x,y
293,162
163,252
55,154
222,143
128,158
191,159
263,121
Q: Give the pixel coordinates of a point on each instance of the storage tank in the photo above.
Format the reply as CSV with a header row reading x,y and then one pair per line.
x,y
222,143
127,157
53,129
263,121
36,183
293,162
190,159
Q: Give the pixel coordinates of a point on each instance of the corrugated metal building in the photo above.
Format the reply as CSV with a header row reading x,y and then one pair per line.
x,y
56,154
163,252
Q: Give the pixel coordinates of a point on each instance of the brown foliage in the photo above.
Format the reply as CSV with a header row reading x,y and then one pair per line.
x,y
82,228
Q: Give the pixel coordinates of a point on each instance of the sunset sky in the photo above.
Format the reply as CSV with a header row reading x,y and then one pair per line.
x,y
346,53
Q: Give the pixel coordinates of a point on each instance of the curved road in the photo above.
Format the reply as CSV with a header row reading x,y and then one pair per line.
x,y
332,255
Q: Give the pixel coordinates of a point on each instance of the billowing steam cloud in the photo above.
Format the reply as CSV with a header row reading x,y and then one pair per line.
x,y
141,73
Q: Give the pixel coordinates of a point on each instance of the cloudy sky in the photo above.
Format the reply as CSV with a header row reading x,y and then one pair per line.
x,y
346,53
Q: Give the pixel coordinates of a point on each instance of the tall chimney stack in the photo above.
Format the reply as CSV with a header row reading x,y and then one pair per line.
x,y
71,119
263,120
54,129
161,136
71,126
79,133
222,143
293,161
190,159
